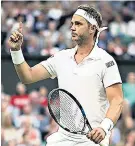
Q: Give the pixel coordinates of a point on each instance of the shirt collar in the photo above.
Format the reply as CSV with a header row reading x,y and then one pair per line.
x,y
94,54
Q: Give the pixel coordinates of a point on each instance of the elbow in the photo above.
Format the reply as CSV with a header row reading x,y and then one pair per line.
x,y
25,82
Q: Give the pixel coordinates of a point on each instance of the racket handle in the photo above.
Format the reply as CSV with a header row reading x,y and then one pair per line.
x,y
102,143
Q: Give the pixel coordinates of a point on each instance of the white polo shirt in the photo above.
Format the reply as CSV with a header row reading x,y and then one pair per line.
x,y
87,80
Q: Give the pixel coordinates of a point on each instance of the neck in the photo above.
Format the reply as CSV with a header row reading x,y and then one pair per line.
x,y
86,47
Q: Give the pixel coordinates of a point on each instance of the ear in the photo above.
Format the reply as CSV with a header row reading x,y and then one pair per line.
x,y
92,29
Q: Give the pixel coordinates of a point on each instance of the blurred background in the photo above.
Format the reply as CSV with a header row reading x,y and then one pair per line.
x,y
25,118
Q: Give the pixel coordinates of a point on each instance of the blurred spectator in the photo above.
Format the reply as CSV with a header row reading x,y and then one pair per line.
x,y
103,40
35,102
29,134
131,28
25,140
39,105
118,26
129,88
9,131
12,142
40,22
21,97
27,115
52,32
126,13
106,11
111,47
43,92
119,49
6,107
130,140
49,48
60,43
32,45
131,49
56,11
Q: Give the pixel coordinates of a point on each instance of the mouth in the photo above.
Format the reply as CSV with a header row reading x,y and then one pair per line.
x,y
73,34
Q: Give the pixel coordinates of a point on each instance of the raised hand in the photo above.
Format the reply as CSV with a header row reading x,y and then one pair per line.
x,y
16,39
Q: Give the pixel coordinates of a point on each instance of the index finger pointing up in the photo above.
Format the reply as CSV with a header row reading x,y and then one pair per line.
x,y
20,27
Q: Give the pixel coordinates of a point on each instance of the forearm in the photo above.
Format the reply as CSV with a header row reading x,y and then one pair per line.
x,y
112,115
22,68
115,109
24,72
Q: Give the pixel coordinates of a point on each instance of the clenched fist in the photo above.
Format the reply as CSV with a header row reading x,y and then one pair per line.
x,y
16,38
96,135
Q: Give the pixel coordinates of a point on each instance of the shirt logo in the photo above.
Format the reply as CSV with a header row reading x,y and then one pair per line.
x,y
109,64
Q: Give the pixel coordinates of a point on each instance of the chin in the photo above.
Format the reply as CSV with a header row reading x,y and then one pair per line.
x,y
74,39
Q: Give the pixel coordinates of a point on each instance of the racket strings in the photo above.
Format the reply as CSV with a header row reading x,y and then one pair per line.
x,y
66,111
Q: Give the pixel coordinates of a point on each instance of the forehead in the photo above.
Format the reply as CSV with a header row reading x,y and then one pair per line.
x,y
78,18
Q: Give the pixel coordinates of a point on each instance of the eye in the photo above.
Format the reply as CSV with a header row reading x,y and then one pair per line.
x,y
77,23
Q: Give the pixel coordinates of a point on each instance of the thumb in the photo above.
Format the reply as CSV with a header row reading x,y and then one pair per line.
x,y
20,27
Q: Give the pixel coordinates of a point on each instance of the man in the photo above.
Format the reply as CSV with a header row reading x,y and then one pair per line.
x,y
86,71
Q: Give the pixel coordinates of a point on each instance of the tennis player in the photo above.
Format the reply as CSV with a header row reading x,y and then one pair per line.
x,y
86,71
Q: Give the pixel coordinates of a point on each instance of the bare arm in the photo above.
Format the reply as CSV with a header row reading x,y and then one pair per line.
x,y
115,97
26,73
29,74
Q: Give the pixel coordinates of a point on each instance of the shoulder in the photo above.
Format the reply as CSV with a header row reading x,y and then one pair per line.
x,y
106,58
104,55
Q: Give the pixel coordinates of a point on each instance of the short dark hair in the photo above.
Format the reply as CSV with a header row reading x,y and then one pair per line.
x,y
94,13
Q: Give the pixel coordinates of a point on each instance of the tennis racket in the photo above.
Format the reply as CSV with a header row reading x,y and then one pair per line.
x,y
67,112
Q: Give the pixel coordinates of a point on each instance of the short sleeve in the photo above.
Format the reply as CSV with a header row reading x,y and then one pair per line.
x,y
111,73
49,64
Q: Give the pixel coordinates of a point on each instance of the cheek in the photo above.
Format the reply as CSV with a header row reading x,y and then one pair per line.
x,y
85,33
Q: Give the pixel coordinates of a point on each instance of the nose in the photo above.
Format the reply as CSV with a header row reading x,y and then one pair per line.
x,y
73,27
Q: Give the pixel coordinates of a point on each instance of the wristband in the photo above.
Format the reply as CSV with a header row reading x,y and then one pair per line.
x,y
17,57
107,125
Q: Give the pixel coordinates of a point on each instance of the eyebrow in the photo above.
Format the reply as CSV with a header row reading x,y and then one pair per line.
x,y
76,22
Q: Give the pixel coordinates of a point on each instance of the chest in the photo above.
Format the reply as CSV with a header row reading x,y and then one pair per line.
x,y
83,79
85,68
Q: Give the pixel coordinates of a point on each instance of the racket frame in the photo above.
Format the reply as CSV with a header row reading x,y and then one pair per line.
x,y
80,107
